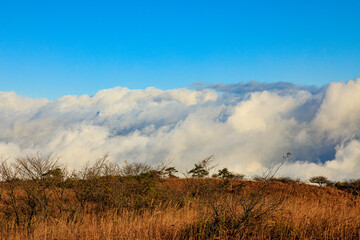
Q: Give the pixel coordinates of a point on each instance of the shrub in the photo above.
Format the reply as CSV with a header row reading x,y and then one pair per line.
x,y
351,186
232,216
202,168
30,184
169,172
321,180
286,179
134,169
225,173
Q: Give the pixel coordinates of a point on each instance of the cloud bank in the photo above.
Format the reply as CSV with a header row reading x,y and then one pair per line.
x,y
248,127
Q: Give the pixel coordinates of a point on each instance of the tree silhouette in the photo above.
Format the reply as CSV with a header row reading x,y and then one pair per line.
x,y
321,180
202,168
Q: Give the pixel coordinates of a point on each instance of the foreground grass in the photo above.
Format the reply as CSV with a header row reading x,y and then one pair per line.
x,y
202,209
39,200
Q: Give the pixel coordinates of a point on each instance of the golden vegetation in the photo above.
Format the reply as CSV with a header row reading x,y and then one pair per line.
x,y
102,201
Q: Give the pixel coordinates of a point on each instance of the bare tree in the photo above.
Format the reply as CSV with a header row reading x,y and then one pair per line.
x,y
9,177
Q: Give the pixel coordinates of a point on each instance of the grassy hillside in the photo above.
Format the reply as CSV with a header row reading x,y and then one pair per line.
x,y
136,204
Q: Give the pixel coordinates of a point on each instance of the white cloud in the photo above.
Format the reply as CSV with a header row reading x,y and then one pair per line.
x,y
9,101
265,110
247,132
339,114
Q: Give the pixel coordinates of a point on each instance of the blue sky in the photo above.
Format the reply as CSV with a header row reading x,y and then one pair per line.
x,y
54,48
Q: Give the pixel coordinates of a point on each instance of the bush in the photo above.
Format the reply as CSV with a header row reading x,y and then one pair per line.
x,y
202,168
286,180
321,180
351,186
225,173
233,215
30,184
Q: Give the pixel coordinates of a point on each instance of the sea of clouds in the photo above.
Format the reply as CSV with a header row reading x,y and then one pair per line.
x,y
248,127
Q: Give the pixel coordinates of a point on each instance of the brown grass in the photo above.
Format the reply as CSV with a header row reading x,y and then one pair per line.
x,y
305,212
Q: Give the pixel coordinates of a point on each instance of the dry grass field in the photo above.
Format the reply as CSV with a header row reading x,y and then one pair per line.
x,y
146,206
